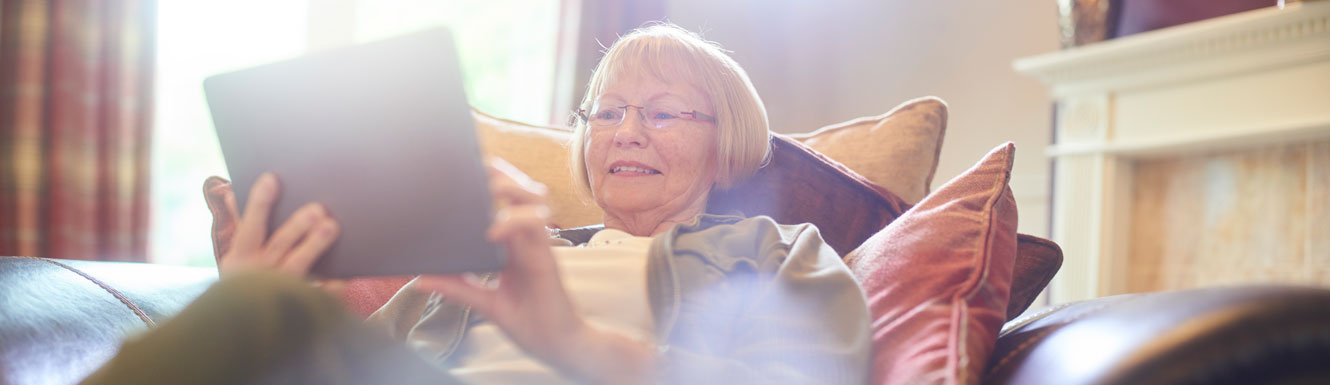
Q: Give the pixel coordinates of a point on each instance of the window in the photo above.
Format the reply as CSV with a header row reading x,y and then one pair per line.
x,y
507,50
506,46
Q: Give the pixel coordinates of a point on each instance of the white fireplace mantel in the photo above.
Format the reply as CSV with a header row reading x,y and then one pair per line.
x,y
1255,78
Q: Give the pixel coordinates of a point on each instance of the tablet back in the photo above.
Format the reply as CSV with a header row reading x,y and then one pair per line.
x,y
382,135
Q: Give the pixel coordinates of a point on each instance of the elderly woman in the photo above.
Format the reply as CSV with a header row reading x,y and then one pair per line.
x,y
665,292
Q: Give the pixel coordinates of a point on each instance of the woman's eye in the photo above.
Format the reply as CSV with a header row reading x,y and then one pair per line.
x,y
663,116
607,115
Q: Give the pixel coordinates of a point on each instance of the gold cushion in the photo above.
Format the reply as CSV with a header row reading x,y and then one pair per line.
x,y
542,153
897,150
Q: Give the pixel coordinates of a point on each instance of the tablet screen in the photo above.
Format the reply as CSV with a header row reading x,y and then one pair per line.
x,y
381,134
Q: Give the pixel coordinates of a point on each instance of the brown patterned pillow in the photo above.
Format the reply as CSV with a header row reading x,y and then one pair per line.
x,y
800,185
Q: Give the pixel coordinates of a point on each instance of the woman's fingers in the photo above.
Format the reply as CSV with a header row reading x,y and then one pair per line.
x,y
510,185
295,228
318,239
334,287
522,216
229,199
462,289
510,192
254,224
293,247
514,220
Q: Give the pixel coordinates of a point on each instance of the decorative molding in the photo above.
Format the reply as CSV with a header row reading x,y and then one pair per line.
x,y
1083,118
1193,143
1248,41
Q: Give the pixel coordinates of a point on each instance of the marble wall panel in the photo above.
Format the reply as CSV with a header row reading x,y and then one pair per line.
x,y
1319,277
1318,213
1249,216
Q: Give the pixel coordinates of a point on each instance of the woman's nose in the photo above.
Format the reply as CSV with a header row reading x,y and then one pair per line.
x,y
632,131
635,116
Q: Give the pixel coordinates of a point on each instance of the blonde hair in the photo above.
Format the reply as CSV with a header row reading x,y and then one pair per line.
x,y
672,54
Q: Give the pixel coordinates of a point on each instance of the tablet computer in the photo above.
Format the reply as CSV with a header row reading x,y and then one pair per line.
x,y
381,134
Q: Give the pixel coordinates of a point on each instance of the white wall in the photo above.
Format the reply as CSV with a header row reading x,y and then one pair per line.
x,y
822,62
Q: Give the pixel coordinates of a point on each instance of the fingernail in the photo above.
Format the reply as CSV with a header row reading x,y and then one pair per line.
x,y
474,279
265,182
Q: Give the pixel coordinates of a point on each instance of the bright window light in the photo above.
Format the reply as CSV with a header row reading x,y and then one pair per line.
x,y
506,47
196,39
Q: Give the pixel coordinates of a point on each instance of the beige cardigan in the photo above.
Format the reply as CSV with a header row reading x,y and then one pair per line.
x,y
735,301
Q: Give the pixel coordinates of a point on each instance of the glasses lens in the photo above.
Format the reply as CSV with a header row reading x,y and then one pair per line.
x,y
662,116
606,116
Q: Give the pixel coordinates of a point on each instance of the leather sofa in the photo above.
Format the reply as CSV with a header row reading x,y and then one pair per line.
x,y
61,319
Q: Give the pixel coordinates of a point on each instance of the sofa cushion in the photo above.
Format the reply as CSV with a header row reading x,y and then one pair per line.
x,y
1037,261
542,153
800,185
897,150
939,277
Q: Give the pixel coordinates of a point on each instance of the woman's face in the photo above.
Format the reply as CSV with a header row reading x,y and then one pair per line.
x,y
636,168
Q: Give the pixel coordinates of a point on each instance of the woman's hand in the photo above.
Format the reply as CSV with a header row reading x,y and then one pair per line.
x,y
529,302
293,247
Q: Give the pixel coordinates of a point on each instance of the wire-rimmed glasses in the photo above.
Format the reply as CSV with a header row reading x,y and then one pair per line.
x,y
661,117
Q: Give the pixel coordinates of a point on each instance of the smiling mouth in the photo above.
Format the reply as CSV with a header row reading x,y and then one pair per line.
x,y
620,169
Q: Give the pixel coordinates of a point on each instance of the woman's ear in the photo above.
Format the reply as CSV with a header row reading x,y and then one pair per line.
x,y
718,178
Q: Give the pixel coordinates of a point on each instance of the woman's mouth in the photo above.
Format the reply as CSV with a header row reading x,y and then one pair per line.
x,y
633,169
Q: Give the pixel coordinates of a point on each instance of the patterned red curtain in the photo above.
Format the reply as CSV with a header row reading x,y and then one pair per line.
x,y
75,117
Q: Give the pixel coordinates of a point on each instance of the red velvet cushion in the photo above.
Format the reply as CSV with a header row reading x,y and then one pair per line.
x,y
938,278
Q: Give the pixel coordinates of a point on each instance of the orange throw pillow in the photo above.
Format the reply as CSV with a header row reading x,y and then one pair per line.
x,y
938,278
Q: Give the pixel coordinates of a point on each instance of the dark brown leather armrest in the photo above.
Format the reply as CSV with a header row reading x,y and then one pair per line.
x,y
61,319
1235,335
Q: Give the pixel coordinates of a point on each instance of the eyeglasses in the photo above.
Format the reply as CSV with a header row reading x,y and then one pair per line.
x,y
655,116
